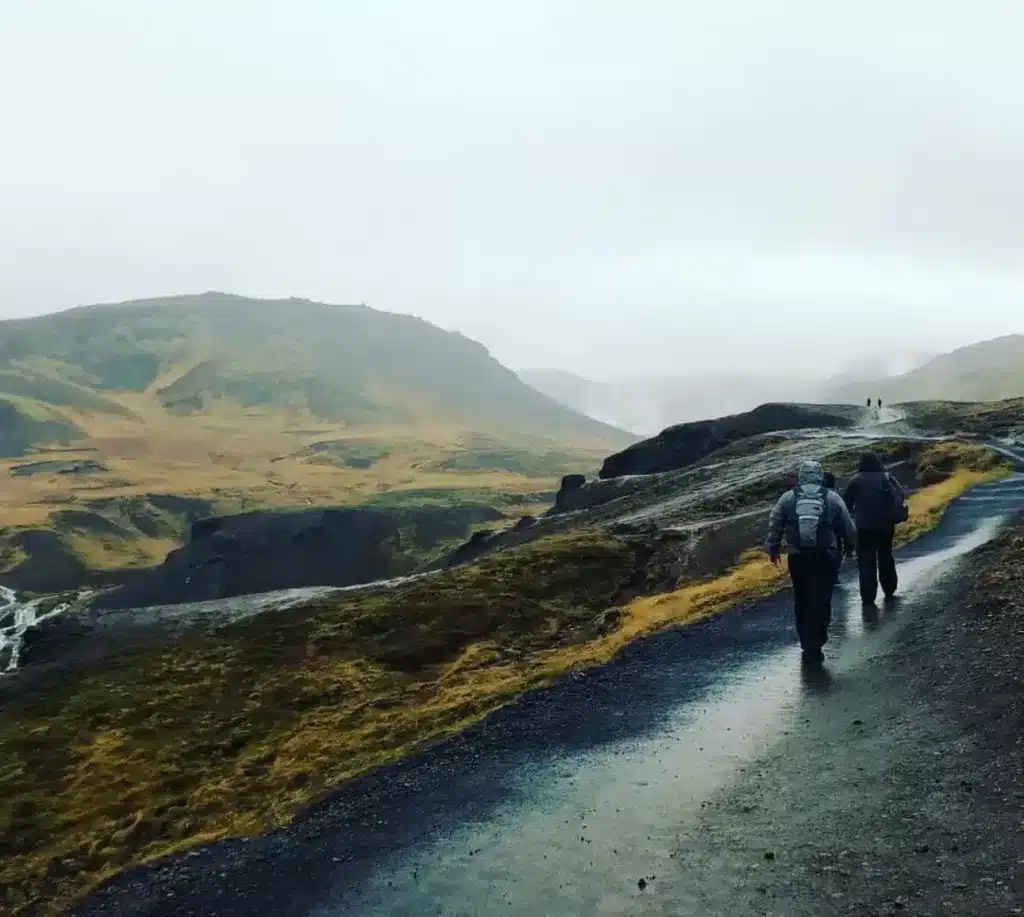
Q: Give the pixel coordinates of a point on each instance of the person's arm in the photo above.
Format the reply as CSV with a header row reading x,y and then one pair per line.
x,y
776,526
850,494
845,529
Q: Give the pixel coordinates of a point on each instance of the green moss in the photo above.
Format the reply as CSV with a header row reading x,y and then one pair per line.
x,y
49,390
25,424
987,418
227,733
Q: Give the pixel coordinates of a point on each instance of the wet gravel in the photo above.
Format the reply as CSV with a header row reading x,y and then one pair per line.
x,y
902,789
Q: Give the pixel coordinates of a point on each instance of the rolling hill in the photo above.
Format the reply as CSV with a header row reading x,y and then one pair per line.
x,y
223,404
215,351
986,371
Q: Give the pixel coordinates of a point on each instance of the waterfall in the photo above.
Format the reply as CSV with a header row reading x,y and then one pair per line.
x,y
15,619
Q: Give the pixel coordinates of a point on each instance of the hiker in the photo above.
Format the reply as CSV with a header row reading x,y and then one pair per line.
x,y
829,481
879,404
868,402
878,503
817,530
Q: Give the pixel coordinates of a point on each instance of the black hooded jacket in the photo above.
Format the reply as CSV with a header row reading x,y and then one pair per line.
x,y
868,495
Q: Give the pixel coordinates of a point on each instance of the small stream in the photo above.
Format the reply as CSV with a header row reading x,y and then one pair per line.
x,y
16,618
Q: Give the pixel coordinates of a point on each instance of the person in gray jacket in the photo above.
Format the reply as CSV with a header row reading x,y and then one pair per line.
x,y
817,530
878,503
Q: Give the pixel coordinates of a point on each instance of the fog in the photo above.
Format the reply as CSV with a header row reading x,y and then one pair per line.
x,y
603,187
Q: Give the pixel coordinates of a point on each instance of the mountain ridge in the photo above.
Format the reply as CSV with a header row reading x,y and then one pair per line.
x,y
346,364
989,370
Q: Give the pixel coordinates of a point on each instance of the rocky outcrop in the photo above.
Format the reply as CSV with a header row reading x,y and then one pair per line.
x,y
571,484
265,551
58,466
684,444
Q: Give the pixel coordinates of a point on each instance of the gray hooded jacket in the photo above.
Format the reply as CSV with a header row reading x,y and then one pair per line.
x,y
782,522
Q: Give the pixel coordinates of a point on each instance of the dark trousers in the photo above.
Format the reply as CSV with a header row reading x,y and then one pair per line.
x,y
876,564
814,577
836,563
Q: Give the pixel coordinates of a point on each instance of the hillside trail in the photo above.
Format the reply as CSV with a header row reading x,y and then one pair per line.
x,y
614,791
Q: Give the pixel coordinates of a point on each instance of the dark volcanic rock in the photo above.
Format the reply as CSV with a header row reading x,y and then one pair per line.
x,y
265,551
58,466
524,522
56,637
571,484
684,444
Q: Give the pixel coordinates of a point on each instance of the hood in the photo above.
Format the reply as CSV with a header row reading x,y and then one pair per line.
x,y
810,473
869,461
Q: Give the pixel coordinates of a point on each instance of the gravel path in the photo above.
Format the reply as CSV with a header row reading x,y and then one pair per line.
x,y
901,791
698,774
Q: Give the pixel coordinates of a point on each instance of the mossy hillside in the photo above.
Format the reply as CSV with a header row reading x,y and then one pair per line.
x,y
385,469
46,390
25,423
981,418
227,734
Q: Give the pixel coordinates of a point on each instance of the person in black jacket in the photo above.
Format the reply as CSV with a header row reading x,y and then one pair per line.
x,y
873,497
829,480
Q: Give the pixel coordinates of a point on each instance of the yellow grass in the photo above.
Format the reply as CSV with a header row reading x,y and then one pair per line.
x,y
237,463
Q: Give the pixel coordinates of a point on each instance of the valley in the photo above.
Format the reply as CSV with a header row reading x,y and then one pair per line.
x,y
120,432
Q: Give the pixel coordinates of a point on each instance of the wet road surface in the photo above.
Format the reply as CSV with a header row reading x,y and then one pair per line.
x,y
583,827
570,801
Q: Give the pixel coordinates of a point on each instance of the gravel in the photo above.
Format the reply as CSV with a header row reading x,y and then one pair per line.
x,y
902,791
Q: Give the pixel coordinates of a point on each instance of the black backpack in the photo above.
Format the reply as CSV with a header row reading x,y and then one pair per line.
x,y
896,506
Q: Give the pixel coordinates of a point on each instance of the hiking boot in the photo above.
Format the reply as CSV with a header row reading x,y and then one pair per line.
x,y
812,657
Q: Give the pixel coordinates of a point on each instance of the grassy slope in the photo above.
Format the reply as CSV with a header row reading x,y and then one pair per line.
x,y
229,734
251,404
24,423
256,462
342,364
986,418
986,371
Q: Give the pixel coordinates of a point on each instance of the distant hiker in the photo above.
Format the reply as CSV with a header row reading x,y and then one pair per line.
x,y
869,402
879,404
817,530
878,503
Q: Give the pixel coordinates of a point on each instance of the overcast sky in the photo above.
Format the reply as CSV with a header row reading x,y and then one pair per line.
x,y
605,187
